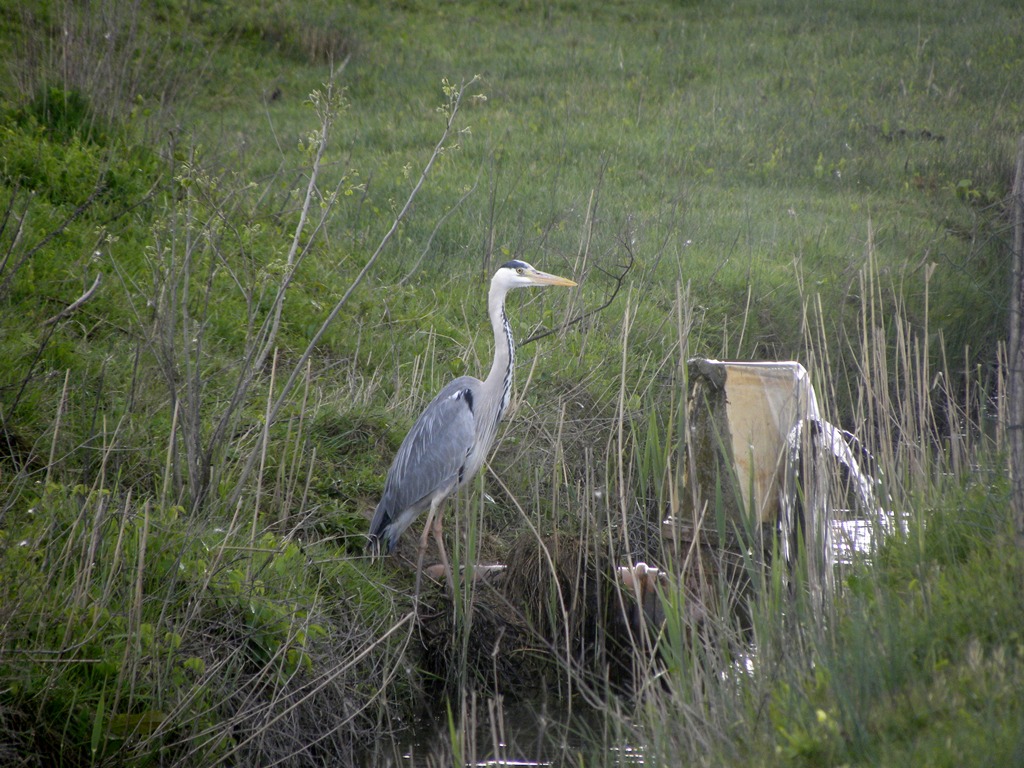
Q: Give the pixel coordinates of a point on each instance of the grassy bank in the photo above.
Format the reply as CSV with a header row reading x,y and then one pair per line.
x,y
242,246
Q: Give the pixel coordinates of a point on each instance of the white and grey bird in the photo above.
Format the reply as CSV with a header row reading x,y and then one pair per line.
x,y
453,436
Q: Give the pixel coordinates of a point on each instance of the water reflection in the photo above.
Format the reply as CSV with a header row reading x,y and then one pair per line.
x,y
532,733
853,540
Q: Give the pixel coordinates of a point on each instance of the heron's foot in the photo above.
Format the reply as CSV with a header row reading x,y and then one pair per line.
x,y
438,572
489,573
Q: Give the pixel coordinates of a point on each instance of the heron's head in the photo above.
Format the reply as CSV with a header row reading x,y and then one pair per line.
x,y
519,274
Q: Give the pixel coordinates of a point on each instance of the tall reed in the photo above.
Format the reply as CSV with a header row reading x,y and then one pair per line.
x,y
793,687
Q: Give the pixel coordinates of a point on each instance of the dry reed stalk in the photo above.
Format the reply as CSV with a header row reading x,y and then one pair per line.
x,y
61,405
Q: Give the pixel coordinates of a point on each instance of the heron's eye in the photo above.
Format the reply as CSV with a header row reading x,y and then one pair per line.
x,y
519,270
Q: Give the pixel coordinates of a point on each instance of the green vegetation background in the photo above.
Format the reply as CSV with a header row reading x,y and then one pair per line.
x,y
757,158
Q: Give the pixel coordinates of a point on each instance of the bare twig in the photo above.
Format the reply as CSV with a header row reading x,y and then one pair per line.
x,y
8,212
82,208
1015,352
77,303
620,280
294,255
437,227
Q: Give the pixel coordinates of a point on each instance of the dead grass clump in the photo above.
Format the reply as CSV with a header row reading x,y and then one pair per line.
x,y
488,647
556,606
314,717
560,584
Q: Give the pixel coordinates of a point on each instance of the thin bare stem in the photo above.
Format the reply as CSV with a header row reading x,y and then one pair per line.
x,y
300,364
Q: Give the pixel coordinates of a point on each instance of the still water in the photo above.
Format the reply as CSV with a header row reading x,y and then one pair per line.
x,y
519,734
540,733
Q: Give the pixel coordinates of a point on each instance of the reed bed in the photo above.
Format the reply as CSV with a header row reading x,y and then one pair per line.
x,y
744,660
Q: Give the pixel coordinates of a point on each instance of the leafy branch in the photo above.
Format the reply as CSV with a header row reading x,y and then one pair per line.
x,y
450,110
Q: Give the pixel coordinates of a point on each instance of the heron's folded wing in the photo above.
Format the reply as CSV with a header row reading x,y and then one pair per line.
x,y
434,452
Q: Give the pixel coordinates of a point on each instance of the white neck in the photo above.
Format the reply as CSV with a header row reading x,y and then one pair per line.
x,y
498,383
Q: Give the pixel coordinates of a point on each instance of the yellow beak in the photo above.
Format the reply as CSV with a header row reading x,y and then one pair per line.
x,y
543,278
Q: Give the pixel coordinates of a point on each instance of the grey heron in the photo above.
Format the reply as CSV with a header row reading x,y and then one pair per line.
x,y
453,436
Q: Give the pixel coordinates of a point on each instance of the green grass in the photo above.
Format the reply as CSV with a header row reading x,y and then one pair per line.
x,y
925,658
770,171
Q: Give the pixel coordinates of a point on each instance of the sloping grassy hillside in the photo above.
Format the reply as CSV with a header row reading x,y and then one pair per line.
x,y
241,245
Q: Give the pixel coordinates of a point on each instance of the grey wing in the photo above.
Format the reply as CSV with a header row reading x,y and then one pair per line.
x,y
430,460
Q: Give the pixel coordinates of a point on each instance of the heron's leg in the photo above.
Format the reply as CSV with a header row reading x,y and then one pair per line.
x,y
439,538
421,552
433,525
